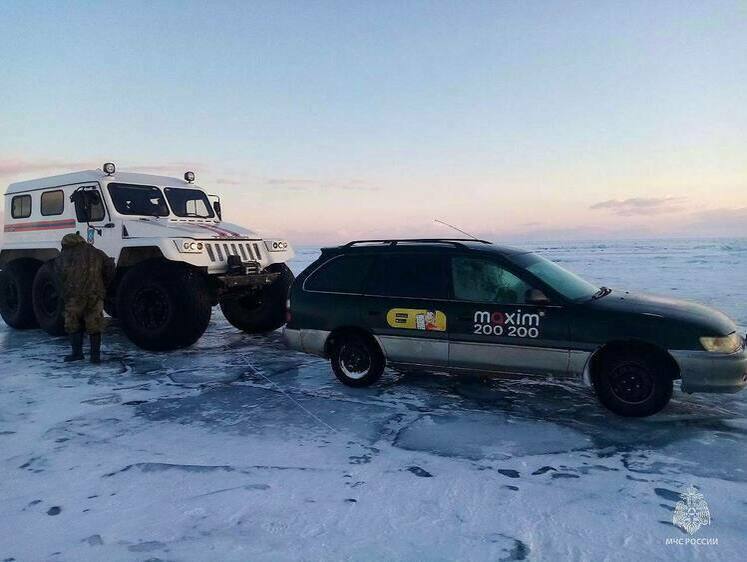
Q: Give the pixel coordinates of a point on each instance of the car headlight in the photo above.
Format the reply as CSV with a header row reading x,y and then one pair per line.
x,y
726,344
276,245
189,246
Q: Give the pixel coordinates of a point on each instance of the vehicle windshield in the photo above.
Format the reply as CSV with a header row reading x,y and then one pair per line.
x,y
568,284
132,199
189,202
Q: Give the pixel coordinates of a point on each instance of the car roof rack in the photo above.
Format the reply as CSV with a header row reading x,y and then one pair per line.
x,y
458,242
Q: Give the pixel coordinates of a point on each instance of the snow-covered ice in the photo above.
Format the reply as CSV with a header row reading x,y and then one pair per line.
x,y
238,449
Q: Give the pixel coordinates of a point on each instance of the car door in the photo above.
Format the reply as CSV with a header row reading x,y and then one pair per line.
x,y
404,307
93,220
493,327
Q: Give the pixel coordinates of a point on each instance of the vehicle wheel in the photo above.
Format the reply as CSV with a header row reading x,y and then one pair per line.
x,y
633,383
163,306
263,311
110,306
49,307
16,302
356,360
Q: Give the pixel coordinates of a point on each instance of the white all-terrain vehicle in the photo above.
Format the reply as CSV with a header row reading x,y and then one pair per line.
x,y
175,257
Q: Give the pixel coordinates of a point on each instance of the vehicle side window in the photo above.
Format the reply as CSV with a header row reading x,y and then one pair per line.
x,y
410,275
481,280
20,206
52,202
89,207
343,274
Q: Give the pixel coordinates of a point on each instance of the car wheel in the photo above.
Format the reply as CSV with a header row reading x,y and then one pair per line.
x,y
163,306
261,312
49,307
356,360
16,302
633,384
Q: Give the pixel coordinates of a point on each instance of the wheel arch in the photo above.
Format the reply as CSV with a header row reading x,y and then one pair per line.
x,y
594,361
36,254
341,330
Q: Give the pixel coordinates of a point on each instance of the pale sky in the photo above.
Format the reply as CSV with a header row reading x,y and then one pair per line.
x,y
328,121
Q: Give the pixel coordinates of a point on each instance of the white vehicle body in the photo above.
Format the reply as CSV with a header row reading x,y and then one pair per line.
x,y
175,258
123,236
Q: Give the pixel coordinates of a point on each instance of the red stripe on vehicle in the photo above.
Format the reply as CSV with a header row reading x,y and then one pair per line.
x,y
40,225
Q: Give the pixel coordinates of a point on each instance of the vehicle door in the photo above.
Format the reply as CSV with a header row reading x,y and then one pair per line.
x,y
499,322
332,295
404,307
94,221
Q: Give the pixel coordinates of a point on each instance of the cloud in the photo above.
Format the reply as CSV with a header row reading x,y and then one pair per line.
x,y
11,167
306,184
227,181
718,222
17,166
641,205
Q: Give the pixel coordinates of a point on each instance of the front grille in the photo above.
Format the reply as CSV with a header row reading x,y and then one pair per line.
x,y
218,252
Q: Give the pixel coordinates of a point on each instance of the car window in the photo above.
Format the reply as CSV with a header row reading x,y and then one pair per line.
x,y
410,275
132,199
343,274
89,207
561,280
52,202
189,203
20,206
480,280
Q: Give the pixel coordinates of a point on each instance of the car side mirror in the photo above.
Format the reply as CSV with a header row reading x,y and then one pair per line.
x,y
216,206
537,297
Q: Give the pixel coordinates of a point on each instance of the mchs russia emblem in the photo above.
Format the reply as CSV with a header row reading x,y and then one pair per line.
x,y
691,512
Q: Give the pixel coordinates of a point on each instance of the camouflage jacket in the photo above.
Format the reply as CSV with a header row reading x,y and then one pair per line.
x,y
84,271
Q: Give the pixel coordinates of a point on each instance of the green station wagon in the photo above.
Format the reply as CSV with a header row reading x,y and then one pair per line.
x,y
469,305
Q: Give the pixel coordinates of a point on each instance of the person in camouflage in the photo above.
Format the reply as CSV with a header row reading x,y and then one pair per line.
x,y
84,272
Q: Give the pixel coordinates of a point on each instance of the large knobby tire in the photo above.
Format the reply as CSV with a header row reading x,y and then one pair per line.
x,y
163,306
49,307
16,302
356,359
263,311
633,383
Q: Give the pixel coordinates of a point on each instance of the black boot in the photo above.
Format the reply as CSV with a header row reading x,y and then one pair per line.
x,y
95,348
76,343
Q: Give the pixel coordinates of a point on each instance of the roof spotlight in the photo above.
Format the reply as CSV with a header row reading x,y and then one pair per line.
x,y
189,176
108,168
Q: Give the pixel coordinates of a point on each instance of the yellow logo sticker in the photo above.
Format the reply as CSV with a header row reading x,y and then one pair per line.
x,y
417,319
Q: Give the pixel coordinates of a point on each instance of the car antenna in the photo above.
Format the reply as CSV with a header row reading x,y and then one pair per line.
x,y
455,228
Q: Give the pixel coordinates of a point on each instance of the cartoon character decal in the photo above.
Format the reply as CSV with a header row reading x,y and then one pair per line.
x,y
417,319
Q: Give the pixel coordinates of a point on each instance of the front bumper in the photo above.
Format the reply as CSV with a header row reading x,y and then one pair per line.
x,y
252,281
703,371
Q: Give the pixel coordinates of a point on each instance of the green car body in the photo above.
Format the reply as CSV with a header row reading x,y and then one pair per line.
x,y
472,305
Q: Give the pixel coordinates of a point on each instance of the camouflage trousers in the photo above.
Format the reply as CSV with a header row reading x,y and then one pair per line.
x,y
86,312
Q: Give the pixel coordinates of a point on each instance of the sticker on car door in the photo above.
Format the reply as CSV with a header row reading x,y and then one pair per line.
x,y
417,319
512,324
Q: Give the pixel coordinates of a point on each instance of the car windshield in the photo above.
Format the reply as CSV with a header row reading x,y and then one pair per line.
x,y
189,202
132,199
568,284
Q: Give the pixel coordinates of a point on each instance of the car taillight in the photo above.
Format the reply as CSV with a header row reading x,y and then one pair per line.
x,y
287,311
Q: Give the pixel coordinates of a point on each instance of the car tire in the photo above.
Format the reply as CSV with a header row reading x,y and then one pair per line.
x,y
49,307
356,360
633,383
163,306
16,301
263,311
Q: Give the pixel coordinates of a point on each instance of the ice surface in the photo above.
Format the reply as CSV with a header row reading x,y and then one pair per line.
x,y
238,449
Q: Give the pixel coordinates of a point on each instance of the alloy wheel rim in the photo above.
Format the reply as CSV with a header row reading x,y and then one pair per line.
x,y
355,361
